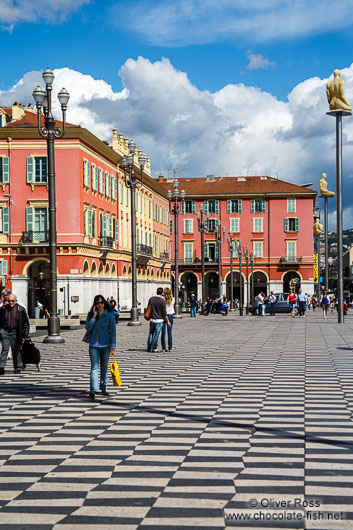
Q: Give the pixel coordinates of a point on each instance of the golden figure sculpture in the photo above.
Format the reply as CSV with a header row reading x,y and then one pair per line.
x,y
323,187
335,94
318,228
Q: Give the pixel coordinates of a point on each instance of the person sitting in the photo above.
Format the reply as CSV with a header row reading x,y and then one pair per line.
x,y
323,187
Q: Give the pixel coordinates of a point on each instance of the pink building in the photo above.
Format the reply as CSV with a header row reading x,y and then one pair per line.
x,y
273,218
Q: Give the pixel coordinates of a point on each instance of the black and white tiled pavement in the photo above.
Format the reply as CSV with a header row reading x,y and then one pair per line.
x,y
246,424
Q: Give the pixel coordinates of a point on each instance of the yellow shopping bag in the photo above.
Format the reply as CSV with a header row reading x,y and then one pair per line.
x,y
114,368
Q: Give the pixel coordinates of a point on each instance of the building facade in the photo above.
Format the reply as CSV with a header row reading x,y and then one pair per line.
x,y
93,217
273,218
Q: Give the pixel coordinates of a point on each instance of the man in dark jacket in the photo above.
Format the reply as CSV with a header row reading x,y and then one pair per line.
x,y
159,315
14,330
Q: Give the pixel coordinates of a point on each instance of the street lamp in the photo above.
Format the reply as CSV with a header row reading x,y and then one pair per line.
x,y
246,256
220,241
316,215
178,197
203,229
50,131
240,279
252,260
231,246
131,182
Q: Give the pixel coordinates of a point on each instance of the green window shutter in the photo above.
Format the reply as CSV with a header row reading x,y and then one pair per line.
x,y
88,174
296,224
104,219
47,219
216,252
229,206
29,218
206,251
96,178
30,169
193,206
6,220
263,206
286,224
116,230
5,170
103,183
93,223
205,206
115,188
89,222
239,205
4,264
110,227
252,206
217,206
171,226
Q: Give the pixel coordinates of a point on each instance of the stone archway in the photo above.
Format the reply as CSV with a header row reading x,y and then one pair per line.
x,y
260,283
291,279
188,285
211,285
38,286
236,286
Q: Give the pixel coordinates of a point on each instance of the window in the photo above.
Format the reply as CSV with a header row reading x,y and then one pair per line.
x,y
171,226
258,206
291,250
107,185
37,222
86,173
3,267
188,228
234,206
121,193
291,224
211,206
116,230
189,207
37,170
188,250
5,220
94,222
115,188
234,225
291,205
94,177
4,170
211,252
212,225
258,246
258,224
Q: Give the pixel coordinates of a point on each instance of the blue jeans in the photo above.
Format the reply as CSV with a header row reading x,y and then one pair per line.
x,y
153,336
193,311
9,338
99,355
170,337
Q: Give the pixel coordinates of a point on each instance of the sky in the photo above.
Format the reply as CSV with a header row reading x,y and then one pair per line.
x,y
231,87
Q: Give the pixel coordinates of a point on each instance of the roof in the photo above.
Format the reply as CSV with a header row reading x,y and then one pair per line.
x,y
30,119
245,186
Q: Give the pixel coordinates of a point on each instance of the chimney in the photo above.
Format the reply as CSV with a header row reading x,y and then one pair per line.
x,y
17,111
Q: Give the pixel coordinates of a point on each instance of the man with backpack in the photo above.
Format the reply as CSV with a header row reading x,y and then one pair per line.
x,y
14,330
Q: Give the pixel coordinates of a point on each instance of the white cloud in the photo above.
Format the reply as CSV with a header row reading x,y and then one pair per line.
x,y
258,61
236,130
184,22
12,11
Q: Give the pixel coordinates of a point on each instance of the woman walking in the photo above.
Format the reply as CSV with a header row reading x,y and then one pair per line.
x,y
100,324
291,300
325,303
170,301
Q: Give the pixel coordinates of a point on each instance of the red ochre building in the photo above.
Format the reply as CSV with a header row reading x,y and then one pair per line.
x,y
93,217
271,217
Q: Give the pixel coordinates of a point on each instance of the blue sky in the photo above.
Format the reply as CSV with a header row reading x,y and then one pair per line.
x,y
226,87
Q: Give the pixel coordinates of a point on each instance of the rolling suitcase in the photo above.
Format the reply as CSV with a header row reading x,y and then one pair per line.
x,y
30,354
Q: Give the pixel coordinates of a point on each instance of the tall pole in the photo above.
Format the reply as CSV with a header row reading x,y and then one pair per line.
x,y
339,210
252,275
326,242
176,210
231,247
127,162
220,241
203,229
50,131
240,280
246,255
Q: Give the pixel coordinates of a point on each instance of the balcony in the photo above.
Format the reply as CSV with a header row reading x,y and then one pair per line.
x,y
290,260
106,242
35,238
143,253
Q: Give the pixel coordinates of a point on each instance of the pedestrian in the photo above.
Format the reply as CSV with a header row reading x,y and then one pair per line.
x,y
193,305
324,301
272,299
265,301
112,302
100,323
291,300
314,302
170,301
159,315
14,330
302,301
261,303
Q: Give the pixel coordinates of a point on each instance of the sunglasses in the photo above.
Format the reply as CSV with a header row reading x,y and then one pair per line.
x,y
100,302
12,301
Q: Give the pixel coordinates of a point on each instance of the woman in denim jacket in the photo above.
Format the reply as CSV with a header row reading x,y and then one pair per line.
x,y
101,323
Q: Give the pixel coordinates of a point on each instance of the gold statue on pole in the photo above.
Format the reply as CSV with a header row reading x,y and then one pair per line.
x,y
318,228
323,187
335,94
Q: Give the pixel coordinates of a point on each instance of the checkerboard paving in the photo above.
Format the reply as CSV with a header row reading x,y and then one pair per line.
x,y
243,424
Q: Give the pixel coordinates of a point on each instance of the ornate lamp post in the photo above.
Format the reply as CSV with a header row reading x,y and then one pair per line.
x,y
203,229
252,260
231,247
178,198
240,279
50,131
220,241
131,182
246,256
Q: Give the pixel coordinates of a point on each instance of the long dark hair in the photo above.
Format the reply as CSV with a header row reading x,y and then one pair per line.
x,y
107,306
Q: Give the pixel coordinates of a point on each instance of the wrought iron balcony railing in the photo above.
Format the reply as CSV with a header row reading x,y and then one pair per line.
x,y
32,236
290,259
164,256
145,250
